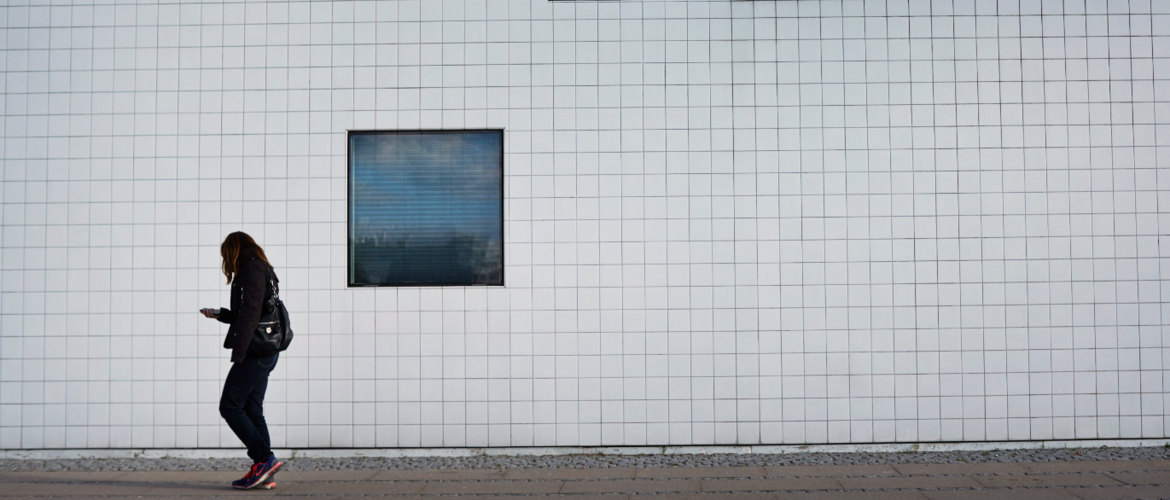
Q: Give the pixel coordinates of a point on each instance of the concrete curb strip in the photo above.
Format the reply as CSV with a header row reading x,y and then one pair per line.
x,y
49,454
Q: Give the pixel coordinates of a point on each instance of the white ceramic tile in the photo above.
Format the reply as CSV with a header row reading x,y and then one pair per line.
x,y
727,222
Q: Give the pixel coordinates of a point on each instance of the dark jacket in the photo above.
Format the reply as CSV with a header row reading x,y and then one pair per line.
x,y
250,290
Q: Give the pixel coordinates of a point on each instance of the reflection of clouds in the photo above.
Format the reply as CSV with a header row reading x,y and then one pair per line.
x,y
426,201
416,156
380,236
414,181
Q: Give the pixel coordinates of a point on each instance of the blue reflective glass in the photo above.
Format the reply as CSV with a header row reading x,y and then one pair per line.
x,y
426,208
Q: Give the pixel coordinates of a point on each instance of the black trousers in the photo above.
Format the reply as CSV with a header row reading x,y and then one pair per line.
x,y
242,404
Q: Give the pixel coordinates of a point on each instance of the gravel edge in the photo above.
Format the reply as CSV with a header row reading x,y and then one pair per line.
x,y
592,461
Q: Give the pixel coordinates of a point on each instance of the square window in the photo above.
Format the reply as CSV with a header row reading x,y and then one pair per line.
x,y
426,208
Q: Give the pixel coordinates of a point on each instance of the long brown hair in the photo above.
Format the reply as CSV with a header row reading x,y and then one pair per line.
x,y
236,249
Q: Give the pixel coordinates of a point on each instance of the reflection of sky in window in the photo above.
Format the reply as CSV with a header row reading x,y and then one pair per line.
x,y
422,192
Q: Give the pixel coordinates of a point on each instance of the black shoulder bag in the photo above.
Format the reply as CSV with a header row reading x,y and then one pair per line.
x,y
273,334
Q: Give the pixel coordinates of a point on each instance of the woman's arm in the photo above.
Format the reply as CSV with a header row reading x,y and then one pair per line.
x,y
226,316
253,282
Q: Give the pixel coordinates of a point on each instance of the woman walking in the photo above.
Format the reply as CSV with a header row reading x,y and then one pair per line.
x,y
253,283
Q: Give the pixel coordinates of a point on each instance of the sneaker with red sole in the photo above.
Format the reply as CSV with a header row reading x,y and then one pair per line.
x,y
258,474
242,483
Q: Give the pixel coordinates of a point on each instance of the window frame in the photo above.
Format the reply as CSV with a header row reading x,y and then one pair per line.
x,y
349,258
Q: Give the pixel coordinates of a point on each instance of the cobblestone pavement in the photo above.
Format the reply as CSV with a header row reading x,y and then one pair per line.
x,y
1102,473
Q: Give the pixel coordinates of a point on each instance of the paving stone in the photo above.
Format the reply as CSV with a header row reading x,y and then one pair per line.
x,y
1142,492
228,493
50,477
632,486
853,495
700,472
429,475
1033,480
609,496
572,473
1102,466
349,488
1142,478
875,483
830,470
703,496
1040,481
939,469
309,475
267,494
194,476
66,489
1002,494
770,484
155,490
491,487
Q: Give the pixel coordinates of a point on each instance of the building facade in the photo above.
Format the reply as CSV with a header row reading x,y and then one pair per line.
x,y
725,222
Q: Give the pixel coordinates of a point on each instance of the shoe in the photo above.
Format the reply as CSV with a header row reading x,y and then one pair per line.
x,y
243,482
268,484
259,474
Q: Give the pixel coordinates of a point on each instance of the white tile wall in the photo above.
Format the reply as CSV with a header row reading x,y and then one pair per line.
x,y
726,222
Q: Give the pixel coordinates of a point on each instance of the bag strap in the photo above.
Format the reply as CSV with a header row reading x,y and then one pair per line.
x,y
271,283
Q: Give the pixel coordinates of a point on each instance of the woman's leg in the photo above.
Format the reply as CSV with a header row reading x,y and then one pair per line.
x,y
242,380
254,409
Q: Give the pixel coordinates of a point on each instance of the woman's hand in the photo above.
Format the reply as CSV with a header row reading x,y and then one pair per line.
x,y
210,313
